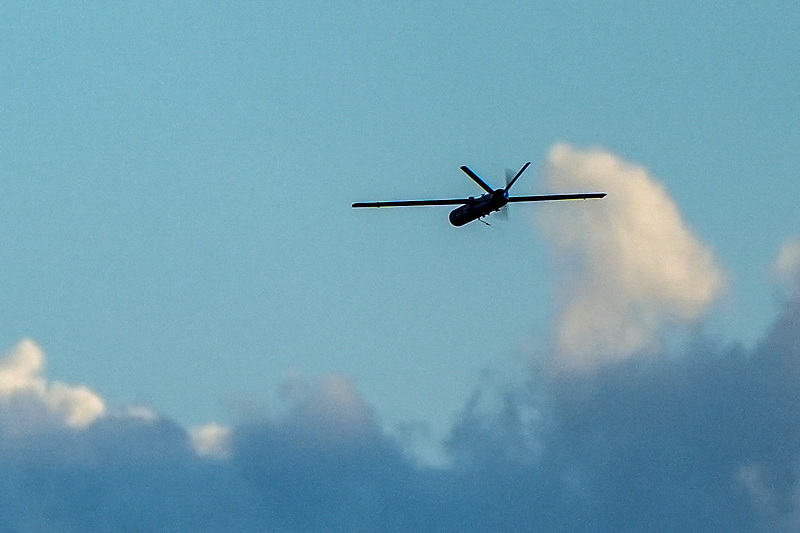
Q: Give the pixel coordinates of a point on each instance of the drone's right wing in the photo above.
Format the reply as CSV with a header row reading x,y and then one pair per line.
x,y
553,197
408,203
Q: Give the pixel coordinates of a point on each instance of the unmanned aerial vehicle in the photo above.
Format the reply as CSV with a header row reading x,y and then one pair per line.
x,y
494,200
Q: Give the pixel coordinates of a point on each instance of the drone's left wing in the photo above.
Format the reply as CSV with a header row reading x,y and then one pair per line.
x,y
408,203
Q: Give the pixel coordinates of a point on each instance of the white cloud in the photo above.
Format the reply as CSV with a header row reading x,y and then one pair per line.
x,y
212,440
21,379
628,264
786,269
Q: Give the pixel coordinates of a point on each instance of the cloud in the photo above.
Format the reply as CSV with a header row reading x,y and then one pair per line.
x,y
786,269
323,463
22,386
329,408
212,440
708,441
628,265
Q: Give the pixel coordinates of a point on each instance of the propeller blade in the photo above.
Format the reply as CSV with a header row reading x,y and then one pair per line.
x,y
509,177
509,184
476,179
502,213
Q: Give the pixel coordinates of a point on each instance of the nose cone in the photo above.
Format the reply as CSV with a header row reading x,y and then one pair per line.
x,y
458,217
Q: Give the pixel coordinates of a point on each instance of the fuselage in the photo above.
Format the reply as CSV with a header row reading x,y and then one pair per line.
x,y
478,207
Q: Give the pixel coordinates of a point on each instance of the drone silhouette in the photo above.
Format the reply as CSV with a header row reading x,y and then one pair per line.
x,y
494,200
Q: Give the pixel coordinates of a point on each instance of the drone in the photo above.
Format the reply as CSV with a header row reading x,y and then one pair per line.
x,y
494,200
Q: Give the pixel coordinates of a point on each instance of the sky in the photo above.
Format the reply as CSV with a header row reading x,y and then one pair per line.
x,y
181,267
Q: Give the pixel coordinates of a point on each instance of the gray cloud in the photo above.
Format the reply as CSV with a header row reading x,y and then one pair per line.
x,y
689,444
708,441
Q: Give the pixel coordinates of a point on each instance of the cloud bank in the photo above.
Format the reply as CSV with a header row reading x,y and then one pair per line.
x,y
628,264
707,441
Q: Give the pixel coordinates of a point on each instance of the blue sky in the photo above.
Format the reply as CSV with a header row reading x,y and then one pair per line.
x,y
176,181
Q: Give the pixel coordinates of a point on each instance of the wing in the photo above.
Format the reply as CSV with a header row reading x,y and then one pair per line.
x,y
407,203
553,197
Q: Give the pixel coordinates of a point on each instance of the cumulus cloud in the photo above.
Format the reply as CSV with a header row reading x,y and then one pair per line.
x,y
22,384
786,269
708,441
628,264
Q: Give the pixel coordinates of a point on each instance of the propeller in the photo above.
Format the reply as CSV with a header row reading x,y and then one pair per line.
x,y
502,213
510,179
511,182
